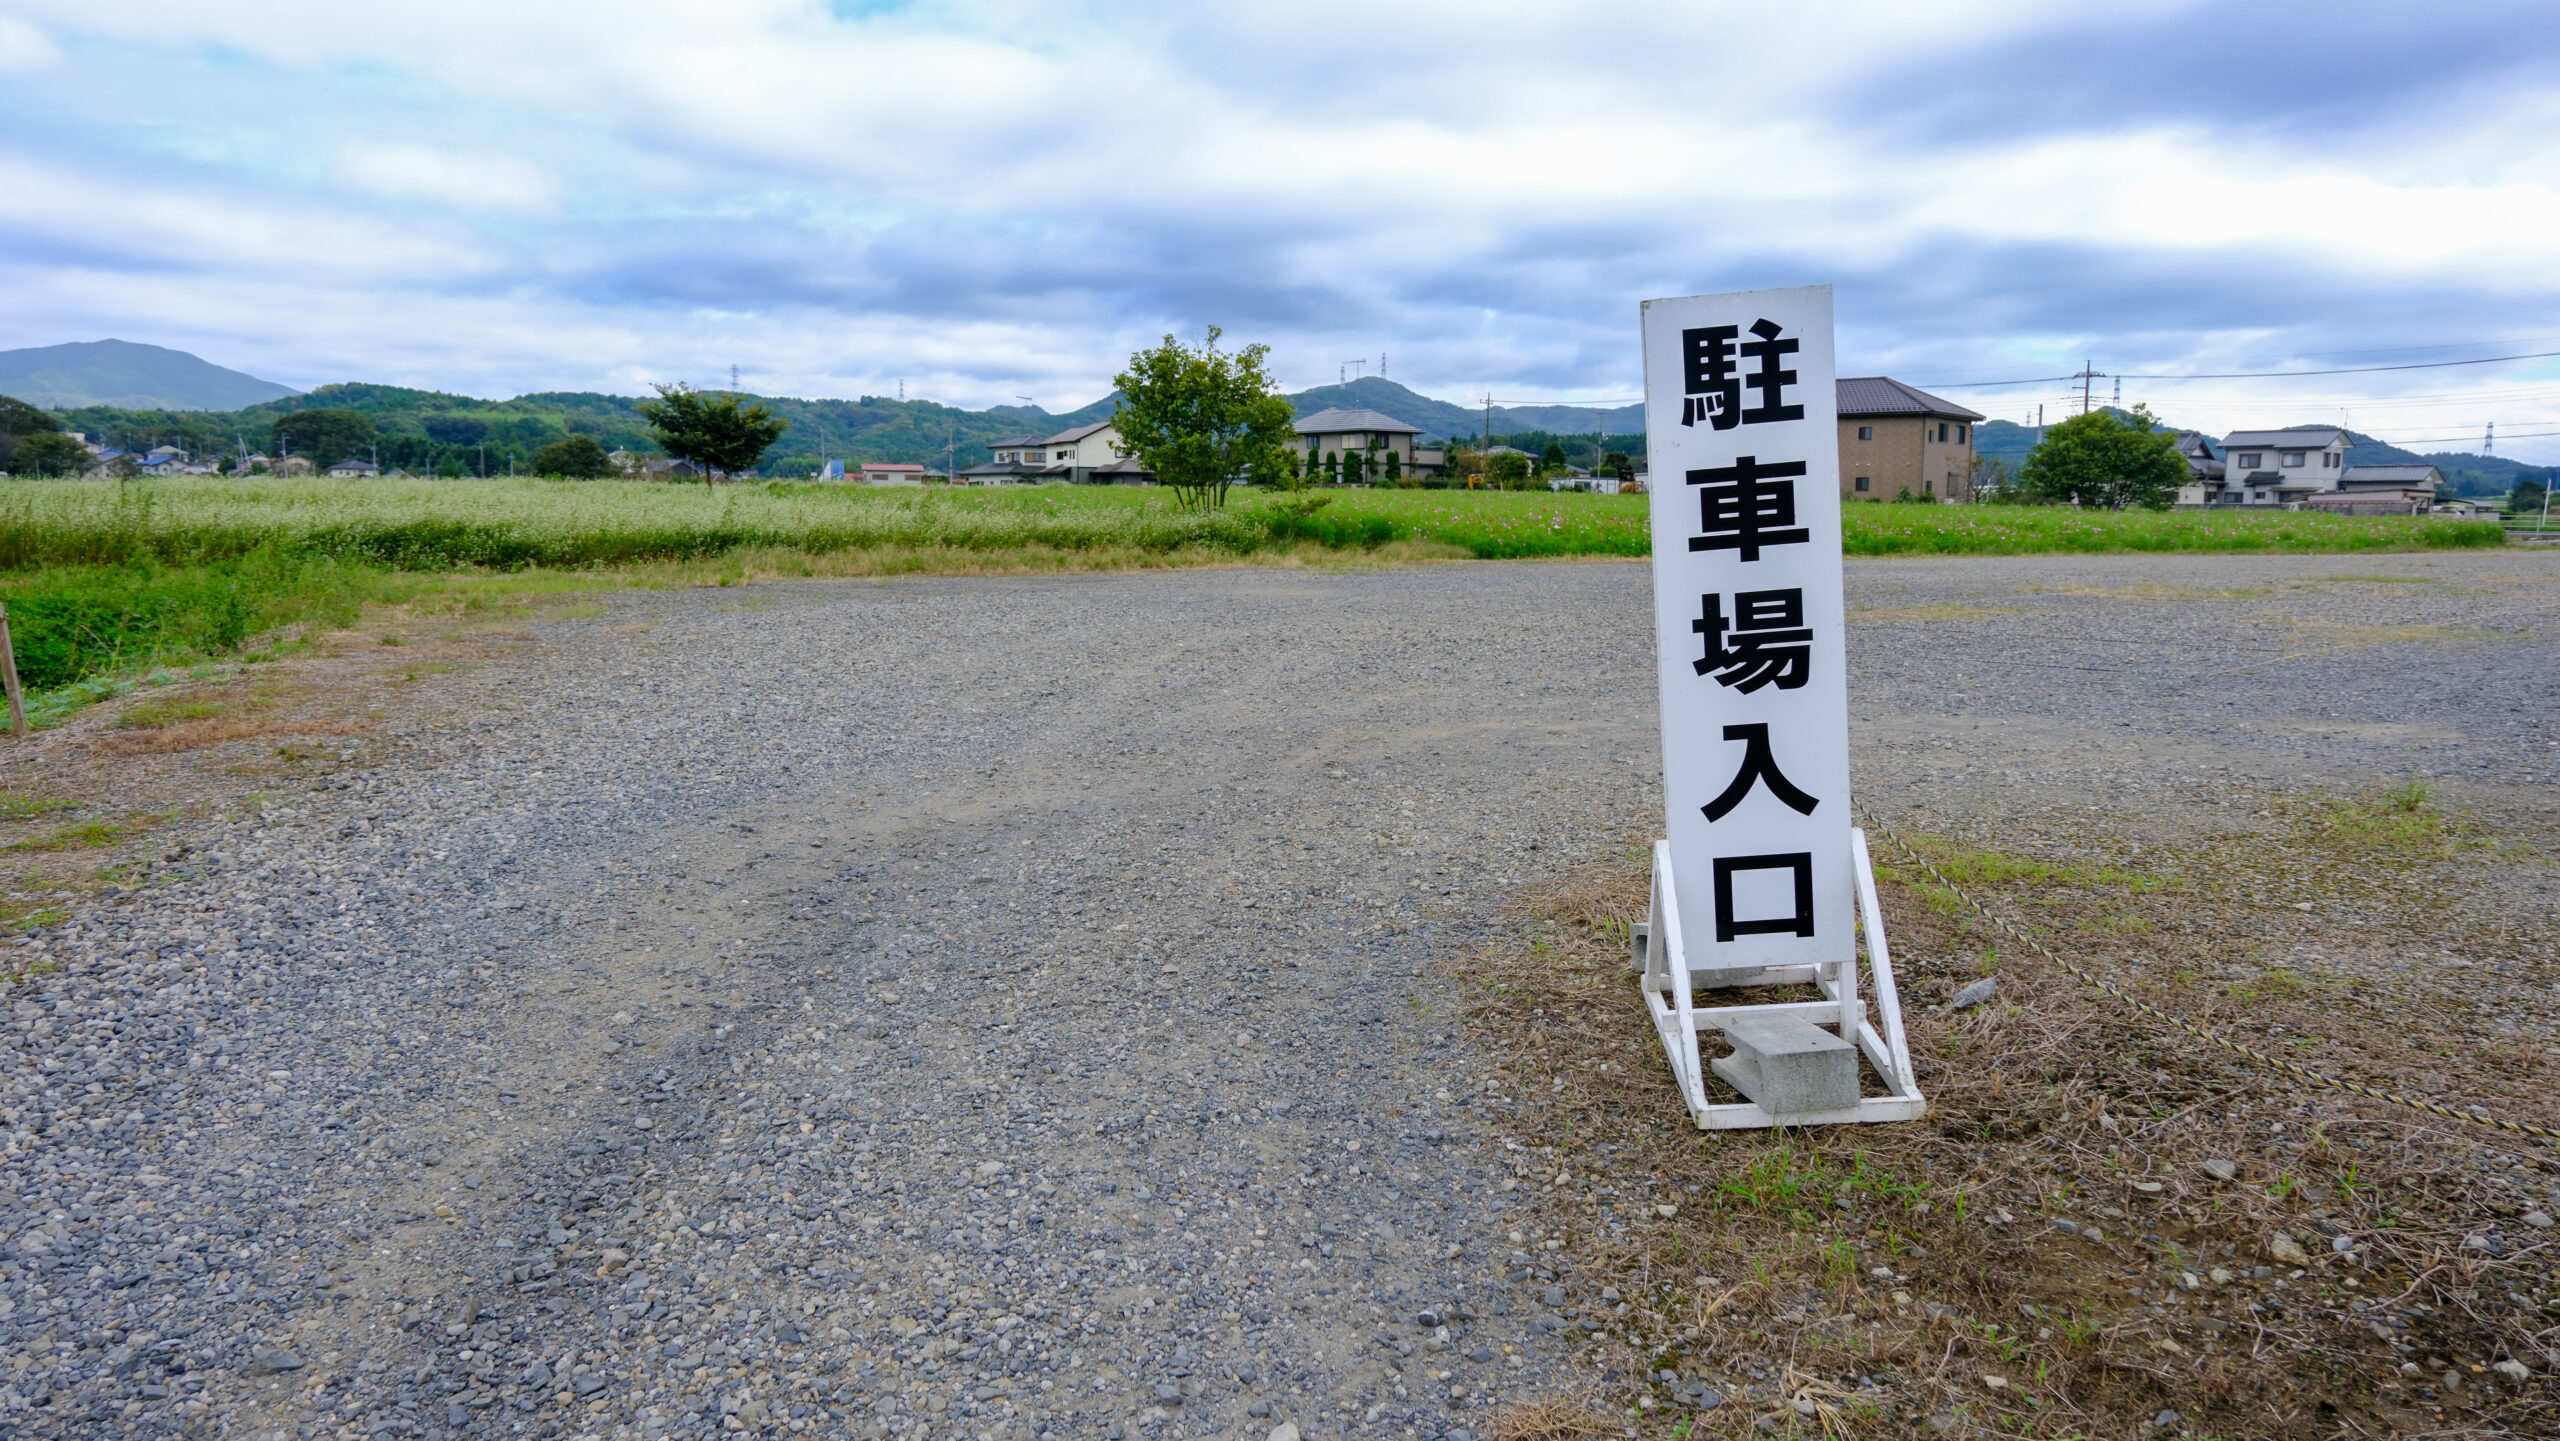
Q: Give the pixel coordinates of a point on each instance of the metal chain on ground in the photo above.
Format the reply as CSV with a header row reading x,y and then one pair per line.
x,y
2298,1072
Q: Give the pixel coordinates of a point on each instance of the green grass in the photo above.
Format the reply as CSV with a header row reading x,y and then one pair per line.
x,y
2054,530
101,579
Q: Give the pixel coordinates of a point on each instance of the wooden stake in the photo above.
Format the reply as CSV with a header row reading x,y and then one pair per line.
x,y
9,663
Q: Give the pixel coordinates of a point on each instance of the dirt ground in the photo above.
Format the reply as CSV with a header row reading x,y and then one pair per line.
x,y
2306,807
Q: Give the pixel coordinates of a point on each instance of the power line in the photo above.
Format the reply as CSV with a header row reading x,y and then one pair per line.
x,y
2247,374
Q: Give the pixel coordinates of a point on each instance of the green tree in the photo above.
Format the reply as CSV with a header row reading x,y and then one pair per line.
x,y
48,452
1395,468
723,436
323,436
2107,462
1355,467
578,458
2526,497
1201,420
1552,458
1508,471
1618,465
19,418
1332,467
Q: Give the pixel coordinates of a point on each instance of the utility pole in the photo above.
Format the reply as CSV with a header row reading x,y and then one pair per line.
x,y
1488,420
951,457
2087,376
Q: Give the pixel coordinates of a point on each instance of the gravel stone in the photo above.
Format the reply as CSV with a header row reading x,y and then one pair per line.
x,y
979,1004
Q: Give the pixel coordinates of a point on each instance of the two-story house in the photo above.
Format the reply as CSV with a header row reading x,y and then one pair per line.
x,y
1371,434
2262,468
1896,441
1083,455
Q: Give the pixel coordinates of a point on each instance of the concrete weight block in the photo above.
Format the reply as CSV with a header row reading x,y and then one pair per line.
x,y
1789,1066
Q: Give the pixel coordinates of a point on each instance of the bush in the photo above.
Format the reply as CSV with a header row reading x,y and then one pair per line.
x,y
577,458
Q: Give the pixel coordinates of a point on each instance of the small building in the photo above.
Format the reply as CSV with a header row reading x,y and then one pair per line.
x,y
292,465
892,472
2391,477
830,470
1896,440
355,469
2372,500
624,462
1370,433
2282,467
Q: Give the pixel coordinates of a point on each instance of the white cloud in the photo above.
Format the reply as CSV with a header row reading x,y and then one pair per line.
x,y
24,49
407,171
988,197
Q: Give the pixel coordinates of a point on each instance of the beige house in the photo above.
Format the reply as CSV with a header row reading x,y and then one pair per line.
x,y
1897,441
1366,431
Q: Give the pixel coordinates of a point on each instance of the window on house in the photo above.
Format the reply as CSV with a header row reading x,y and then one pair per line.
x,y
1964,432
1862,482
2289,459
2328,460
1866,432
1930,487
2246,460
1942,430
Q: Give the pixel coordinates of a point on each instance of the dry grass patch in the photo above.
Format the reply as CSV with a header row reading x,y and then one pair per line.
x,y
1887,1280
1545,1421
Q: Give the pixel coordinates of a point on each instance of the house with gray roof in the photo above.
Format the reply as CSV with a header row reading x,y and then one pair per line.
x,y
1080,455
1371,435
1898,440
2280,468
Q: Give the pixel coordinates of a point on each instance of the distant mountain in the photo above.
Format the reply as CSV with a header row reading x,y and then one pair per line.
x,y
125,374
1445,420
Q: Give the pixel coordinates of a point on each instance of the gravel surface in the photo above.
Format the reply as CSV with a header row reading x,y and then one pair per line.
x,y
989,1008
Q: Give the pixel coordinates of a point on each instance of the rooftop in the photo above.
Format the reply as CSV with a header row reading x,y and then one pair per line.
x,y
1882,395
1339,422
2295,437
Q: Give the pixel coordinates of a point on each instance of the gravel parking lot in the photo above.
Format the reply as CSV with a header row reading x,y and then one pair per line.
x,y
1006,1007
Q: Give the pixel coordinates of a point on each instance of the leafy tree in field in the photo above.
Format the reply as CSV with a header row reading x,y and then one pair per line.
x,y
2527,496
48,452
1618,465
1508,471
1552,458
2106,462
19,418
578,458
723,436
323,437
1395,468
1201,420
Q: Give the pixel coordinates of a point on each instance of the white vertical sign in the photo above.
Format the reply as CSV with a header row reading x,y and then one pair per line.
x,y
1744,445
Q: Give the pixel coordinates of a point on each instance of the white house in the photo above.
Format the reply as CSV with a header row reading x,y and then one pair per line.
x,y
350,469
1084,455
2277,468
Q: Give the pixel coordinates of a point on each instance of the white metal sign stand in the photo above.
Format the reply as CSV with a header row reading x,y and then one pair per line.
x,y
1760,879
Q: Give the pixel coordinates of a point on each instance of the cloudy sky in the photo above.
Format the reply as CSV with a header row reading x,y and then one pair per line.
x,y
991,200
